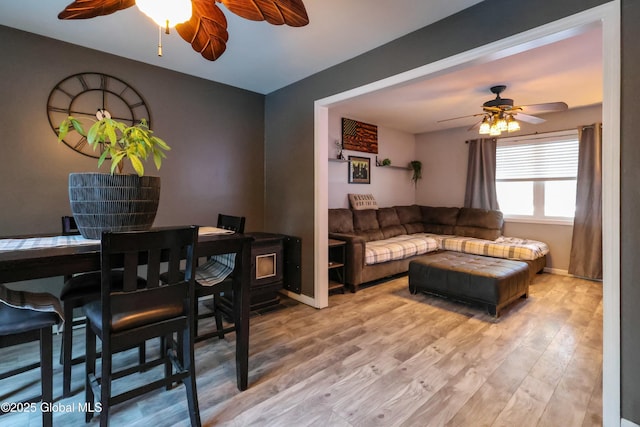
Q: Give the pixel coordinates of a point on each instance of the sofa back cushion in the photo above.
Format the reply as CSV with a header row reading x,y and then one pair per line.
x,y
479,223
411,218
340,221
439,220
365,224
389,223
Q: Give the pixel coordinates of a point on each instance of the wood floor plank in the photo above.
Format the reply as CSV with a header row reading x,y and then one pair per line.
x,y
379,357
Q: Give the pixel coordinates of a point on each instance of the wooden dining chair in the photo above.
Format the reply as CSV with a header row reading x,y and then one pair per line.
x,y
26,317
128,315
228,222
77,291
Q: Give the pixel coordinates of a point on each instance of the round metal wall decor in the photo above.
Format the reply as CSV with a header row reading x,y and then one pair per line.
x,y
89,96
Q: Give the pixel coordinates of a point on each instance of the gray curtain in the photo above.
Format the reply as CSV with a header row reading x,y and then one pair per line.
x,y
481,175
586,244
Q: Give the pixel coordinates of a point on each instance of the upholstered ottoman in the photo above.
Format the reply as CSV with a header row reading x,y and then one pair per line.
x,y
493,282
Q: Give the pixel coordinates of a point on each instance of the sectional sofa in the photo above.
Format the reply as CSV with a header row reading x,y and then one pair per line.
x,y
382,242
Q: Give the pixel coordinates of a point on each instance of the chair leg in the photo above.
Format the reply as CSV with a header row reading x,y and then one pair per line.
x,y
165,346
218,315
142,353
188,363
46,373
195,316
90,363
66,355
105,384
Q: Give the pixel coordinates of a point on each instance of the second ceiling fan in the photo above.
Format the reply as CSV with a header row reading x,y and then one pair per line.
x,y
502,115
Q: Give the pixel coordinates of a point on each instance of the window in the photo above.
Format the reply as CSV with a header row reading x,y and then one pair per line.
x,y
536,176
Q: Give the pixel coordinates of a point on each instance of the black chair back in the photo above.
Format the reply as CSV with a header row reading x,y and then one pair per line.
x,y
151,247
69,226
230,222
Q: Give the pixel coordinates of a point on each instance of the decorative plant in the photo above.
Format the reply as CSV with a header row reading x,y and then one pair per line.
x,y
386,162
416,166
119,141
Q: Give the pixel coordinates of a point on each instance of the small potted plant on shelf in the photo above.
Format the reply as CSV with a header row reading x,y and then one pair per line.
x,y
416,167
115,201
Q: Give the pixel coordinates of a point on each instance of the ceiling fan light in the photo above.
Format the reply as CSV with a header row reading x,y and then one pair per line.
x,y
502,123
512,125
495,130
166,13
485,127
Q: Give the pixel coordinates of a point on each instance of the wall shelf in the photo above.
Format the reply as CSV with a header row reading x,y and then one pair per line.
x,y
406,168
331,159
380,165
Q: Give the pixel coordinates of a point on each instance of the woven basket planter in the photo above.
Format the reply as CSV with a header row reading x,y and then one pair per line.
x,y
104,202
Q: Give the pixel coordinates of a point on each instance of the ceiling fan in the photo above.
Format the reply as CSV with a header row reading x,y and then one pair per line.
x,y
500,114
206,30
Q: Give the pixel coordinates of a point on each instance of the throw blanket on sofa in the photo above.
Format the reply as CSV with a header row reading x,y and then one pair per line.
x,y
502,247
399,247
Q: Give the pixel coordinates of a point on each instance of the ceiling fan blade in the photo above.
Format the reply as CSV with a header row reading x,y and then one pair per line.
x,y
276,12
461,117
544,108
86,9
529,119
206,31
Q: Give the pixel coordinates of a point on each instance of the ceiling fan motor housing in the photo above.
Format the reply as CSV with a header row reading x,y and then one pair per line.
x,y
502,103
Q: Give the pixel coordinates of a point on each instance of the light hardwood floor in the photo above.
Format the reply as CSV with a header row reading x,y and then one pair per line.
x,y
383,357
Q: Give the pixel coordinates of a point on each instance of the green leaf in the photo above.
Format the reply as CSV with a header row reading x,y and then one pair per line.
x,y
137,165
103,157
63,129
116,158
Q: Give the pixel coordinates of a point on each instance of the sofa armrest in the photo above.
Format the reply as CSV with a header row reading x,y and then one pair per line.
x,y
354,253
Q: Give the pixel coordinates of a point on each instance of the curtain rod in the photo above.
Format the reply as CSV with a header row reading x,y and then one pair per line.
x,y
543,133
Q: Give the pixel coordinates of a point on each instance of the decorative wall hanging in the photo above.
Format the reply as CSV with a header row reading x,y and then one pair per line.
x,y
358,136
89,96
206,29
359,170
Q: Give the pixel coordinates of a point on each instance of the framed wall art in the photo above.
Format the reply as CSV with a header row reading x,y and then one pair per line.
x,y
359,170
359,136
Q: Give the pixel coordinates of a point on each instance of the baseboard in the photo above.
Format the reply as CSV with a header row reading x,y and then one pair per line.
x,y
557,271
627,423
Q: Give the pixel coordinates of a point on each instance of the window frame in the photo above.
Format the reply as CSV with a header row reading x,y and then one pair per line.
x,y
538,216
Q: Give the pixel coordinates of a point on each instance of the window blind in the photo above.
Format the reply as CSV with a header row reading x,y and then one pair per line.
x,y
538,157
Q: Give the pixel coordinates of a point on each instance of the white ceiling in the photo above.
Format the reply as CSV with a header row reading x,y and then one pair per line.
x,y
260,57
569,70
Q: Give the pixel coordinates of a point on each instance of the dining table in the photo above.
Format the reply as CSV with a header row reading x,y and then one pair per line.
x,y
35,257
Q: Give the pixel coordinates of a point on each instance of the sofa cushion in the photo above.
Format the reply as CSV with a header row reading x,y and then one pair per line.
x,y
362,201
340,221
479,223
399,247
411,218
387,217
365,224
439,220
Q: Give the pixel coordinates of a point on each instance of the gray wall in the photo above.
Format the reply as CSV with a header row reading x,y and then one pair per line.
x,y
216,133
289,134
630,208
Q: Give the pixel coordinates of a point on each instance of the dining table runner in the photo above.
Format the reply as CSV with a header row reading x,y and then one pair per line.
x,y
14,244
